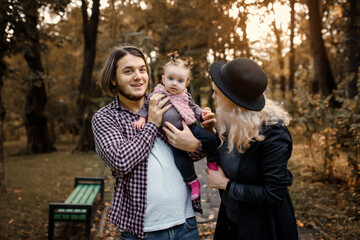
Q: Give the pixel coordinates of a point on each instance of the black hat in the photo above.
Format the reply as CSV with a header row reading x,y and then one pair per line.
x,y
242,81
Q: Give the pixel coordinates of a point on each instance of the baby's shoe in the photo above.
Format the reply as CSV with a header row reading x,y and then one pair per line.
x,y
195,189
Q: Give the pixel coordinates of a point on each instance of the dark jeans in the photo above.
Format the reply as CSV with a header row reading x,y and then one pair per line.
x,y
182,159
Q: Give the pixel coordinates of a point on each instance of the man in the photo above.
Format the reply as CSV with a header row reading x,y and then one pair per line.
x,y
151,201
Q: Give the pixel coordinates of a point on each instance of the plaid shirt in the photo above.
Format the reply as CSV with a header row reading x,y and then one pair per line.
x,y
126,151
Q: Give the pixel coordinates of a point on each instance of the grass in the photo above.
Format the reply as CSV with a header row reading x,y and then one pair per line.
x,y
34,181
332,208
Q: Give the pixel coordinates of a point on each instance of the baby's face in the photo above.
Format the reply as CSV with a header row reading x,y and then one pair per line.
x,y
175,79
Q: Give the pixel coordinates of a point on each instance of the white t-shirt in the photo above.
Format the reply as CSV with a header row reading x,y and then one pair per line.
x,y
168,200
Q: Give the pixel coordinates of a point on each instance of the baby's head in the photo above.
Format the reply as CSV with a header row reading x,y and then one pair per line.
x,y
177,74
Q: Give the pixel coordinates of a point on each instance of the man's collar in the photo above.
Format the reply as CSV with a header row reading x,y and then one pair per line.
x,y
115,104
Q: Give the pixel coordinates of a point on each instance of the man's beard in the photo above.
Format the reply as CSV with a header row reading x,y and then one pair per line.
x,y
131,97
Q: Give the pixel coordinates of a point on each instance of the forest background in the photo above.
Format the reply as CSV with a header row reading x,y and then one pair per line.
x,y
51,53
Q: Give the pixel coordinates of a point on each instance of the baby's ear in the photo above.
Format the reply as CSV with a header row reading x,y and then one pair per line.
x,y
162,78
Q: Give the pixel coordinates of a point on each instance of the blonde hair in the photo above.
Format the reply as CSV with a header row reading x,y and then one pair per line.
x,y
175,61
240,127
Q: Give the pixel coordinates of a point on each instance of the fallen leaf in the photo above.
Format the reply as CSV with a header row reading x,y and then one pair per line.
x,y
24,231
299,223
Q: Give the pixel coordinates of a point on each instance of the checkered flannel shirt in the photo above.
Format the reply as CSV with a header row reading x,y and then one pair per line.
x,y
126,151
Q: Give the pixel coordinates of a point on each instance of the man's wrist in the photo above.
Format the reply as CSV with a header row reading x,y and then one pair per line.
x,y
197,145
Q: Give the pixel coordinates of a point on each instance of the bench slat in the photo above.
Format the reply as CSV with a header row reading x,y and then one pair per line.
x,y
76,198
83,198
82,194
74,193
92,196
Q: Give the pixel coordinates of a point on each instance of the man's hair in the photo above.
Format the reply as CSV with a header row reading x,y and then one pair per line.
x,y
108,72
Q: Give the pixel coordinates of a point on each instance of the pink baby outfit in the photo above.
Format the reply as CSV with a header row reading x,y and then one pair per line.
x,y
184,108
180,102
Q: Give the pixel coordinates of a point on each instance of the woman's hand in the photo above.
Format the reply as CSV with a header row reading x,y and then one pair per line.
x,y
157,109
183,140
209,120
217,179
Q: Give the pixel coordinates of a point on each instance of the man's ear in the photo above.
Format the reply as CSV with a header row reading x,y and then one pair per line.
x,y
113,82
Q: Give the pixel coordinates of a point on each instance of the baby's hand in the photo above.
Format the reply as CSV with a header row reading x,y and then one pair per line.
x,y
209,120
205,112
139,124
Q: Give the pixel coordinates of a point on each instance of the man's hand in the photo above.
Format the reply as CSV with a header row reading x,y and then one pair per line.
x,y
209,120
183,140
157,109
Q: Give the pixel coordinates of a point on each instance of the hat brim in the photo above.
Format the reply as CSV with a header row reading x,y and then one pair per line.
x,y
255,105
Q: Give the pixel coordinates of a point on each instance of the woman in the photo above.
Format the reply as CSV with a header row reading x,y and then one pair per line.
x,y
255,146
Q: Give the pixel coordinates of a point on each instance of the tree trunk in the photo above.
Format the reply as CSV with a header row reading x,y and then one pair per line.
x,y
86,140
38,140
242,25
323,75
2,117
292,50
279,44
352,43
4,46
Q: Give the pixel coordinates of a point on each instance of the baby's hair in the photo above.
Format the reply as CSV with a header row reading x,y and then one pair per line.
x,y
173,55
175,61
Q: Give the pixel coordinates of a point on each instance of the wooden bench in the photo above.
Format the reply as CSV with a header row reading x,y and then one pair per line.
x,y
78,206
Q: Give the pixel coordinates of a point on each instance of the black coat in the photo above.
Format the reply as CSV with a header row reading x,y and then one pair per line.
x,y
257,202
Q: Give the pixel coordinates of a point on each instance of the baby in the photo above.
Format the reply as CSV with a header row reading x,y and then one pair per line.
x,y
177,76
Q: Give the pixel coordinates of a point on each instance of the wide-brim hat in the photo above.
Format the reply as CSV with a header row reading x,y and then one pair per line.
x,y
242,81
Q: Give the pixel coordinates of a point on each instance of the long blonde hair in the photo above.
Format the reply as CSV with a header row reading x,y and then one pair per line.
x,y
239,126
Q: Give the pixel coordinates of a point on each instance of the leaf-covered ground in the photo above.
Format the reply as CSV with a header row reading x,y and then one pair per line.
x,y
324,209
